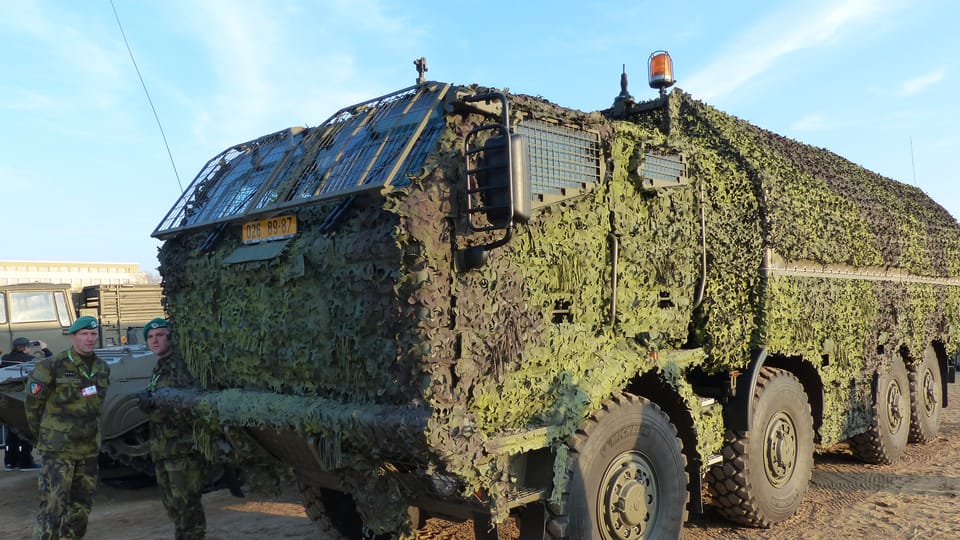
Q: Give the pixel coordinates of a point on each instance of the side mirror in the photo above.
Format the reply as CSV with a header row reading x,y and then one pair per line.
x,y
498,184
503,180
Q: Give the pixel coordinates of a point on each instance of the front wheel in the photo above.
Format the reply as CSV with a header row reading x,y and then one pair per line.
x,y
335,513
627,476
766,470
313,497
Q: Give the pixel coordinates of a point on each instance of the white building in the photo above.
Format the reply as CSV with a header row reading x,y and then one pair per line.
x,y
77,274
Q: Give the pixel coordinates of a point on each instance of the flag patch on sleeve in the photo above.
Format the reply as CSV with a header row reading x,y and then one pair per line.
x,y
35,388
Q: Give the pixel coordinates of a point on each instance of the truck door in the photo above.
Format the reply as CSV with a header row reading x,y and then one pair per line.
x,y
656,215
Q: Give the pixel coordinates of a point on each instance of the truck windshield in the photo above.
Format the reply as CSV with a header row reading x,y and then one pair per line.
x,y
373,145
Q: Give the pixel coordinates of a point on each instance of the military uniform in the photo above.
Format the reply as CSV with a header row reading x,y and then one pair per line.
x,y
64,402
180,468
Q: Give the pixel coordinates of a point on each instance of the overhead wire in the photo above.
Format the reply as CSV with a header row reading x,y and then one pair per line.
x,y
144,85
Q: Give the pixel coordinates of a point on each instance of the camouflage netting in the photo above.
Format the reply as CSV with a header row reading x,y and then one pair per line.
x,y
820,209
376,315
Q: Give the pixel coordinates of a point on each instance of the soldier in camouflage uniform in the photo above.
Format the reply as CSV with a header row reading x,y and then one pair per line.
x,y
180,468
64,405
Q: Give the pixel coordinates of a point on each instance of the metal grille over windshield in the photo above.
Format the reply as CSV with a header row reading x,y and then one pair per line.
x,y
370,146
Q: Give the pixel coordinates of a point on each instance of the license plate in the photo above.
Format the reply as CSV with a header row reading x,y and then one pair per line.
x,y
275,228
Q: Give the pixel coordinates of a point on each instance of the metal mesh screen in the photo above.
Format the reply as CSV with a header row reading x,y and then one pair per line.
x,y
663,169
367,146
563,161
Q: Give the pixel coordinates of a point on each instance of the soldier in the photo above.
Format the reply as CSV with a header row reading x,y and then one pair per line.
x,y
64,406
180,468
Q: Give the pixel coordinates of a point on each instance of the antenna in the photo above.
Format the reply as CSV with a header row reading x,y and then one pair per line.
x,y
144,85
913,164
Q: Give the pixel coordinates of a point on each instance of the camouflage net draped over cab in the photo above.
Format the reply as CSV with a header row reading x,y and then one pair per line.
x,y
320,318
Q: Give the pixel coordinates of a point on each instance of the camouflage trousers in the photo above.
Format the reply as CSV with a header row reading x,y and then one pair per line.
x,y
66,496
181,480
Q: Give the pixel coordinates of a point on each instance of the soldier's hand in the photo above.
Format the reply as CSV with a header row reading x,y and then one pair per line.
x,y
145,401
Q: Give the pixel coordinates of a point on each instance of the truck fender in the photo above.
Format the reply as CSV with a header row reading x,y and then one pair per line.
x,y
738,413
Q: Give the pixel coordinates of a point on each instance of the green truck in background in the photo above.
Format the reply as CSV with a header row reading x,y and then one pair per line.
x,y
44,311
464,302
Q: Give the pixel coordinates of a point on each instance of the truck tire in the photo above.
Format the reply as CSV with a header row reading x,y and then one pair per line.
x,y
627,477
335,513
926,403
886,440
131,449
766,471
312,498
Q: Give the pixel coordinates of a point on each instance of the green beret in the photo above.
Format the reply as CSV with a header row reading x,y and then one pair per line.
x,y
159,322
83,323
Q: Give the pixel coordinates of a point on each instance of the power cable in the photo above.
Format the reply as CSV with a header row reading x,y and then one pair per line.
x,y
144,85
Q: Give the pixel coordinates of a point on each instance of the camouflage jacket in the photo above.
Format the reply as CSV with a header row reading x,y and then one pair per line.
x,y
170,434
64,404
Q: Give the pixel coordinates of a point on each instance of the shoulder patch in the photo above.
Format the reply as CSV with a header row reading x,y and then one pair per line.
x,y
35,388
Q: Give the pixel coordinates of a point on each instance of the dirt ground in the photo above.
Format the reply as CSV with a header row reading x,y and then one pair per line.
x,y
917,497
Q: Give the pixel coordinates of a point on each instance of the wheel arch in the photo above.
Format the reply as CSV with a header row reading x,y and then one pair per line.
x,y
652,386
738,413
809,378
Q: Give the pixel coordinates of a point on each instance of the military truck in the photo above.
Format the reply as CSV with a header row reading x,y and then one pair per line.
x,y
460,301
44,311
123,310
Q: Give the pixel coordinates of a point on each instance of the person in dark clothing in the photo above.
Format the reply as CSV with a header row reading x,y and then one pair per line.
x,y
18,452
21,352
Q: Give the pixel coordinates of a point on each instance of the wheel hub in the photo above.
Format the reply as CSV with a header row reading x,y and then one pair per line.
x,y
629,498
894,406
929,392
780,457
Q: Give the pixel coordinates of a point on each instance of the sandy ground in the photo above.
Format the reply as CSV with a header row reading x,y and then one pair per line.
x,y
917,497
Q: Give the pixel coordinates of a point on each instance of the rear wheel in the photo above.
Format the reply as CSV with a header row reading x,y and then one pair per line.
x,y
766,470
926,391
886,440
627,477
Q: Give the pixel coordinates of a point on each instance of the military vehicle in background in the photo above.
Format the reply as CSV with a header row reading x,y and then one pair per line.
x,y
459,301
44,311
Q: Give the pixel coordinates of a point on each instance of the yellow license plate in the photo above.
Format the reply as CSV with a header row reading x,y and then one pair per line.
x,y
275,228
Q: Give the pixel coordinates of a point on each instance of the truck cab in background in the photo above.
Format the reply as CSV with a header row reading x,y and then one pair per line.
x,y
44,311
37,311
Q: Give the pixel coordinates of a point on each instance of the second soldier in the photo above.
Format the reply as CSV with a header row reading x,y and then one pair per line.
x,y
180,468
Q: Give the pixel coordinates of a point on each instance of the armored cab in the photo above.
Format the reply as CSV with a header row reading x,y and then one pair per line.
x,y
458,301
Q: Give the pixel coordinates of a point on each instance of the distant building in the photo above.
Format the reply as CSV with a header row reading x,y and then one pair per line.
x,y
77,274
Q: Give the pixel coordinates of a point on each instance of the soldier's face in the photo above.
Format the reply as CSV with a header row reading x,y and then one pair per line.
x,y
84,341
158,340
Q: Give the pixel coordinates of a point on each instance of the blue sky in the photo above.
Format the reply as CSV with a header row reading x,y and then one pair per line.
x,y
85,174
